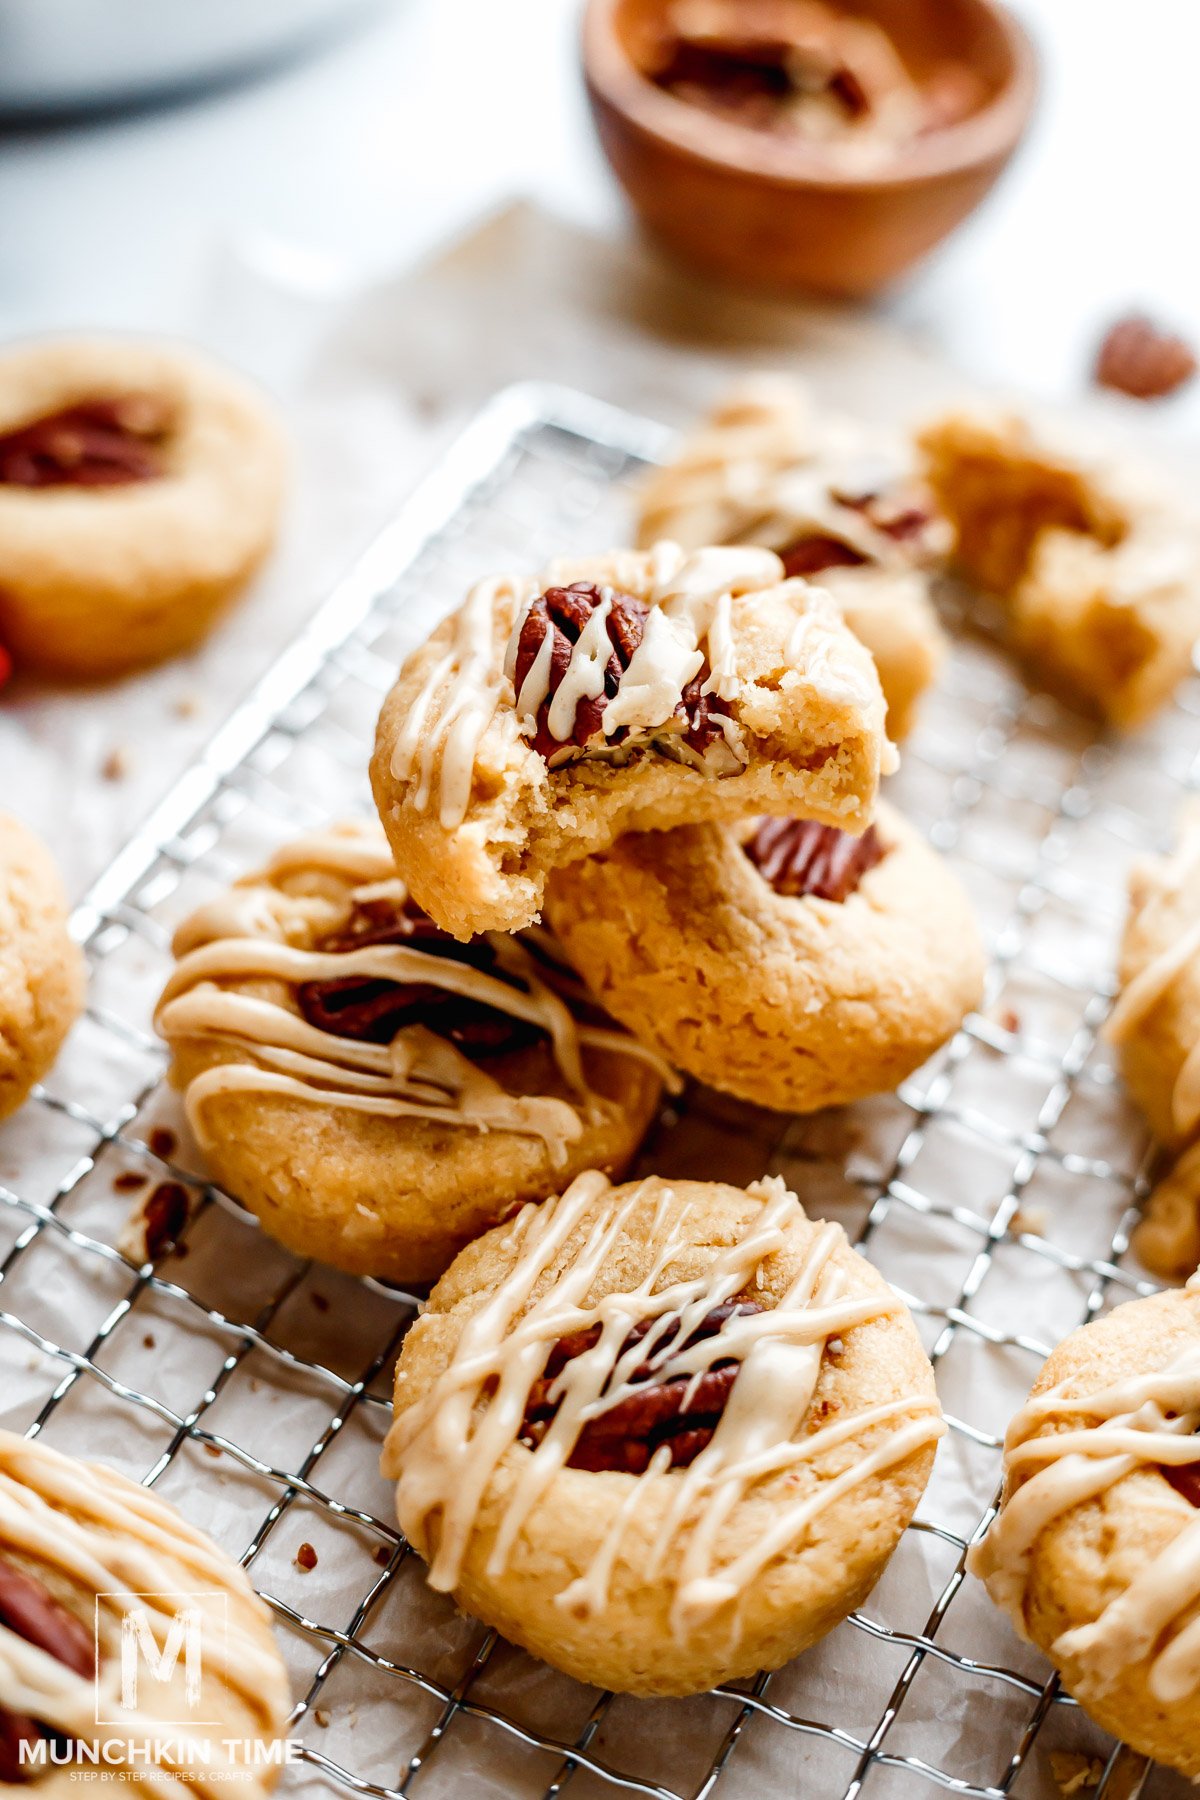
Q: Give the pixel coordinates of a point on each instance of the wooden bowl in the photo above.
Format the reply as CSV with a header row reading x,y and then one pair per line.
x,y
779,210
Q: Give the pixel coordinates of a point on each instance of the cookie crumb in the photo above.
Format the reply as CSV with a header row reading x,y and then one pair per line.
x,y
213,1450
320,1302
1009,1021
117,764
320,1717
149,1342
129,1181
185,706
1032,1220
1142,360
1073,1771
163,1143
306,1557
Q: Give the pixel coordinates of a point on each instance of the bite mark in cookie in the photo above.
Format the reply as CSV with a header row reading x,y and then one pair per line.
x,y
801,859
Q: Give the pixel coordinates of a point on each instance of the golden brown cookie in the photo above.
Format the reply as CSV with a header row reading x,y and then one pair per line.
x,y
634,691
140,488
88,1559
1096,563
376,1092
776,959
1155,1026
1095,1554
661,1435
41,968
838,503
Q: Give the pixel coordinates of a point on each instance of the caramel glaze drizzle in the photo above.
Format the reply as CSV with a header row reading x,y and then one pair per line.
x,y
445,1450
1146,1421
293,1046
102,1535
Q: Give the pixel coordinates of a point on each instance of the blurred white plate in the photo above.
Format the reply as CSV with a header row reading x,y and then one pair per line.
x,y
78,53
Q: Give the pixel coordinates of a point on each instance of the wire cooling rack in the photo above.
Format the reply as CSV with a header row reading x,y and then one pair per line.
x,y
996,1189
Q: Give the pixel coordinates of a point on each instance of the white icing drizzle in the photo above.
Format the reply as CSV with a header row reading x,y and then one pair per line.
x,y
1168,879
455,706
103,1535
232,946
1137,1423
445,1450
764,470
691,596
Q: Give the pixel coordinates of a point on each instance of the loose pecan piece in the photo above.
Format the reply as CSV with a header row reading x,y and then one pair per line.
x,y
106,442
798,857
1139,359
373,1011
681,1412
564,612
29,1609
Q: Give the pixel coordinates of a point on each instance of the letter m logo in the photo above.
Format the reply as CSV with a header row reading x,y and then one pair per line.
x,y
158,1669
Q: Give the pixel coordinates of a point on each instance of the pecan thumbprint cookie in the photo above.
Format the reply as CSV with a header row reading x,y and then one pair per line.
x,y
837,502
377,1092
633,691
140,488
1095,1553
41,968
777,959
91,1565
661,1435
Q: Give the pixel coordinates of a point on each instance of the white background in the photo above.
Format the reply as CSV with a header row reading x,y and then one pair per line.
x,y
395,137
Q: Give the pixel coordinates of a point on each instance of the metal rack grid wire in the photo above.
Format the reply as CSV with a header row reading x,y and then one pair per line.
x,y
996,1189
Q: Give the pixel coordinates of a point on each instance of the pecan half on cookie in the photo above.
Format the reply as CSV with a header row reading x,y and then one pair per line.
x,y
373,1011
105,442
802,859
681,1411
563,614
30,1611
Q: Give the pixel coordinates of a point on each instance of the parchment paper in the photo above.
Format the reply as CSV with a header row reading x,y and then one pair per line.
x,y
989,1142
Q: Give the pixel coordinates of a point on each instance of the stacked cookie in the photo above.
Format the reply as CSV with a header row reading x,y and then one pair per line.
x,y
667,1433
626,1413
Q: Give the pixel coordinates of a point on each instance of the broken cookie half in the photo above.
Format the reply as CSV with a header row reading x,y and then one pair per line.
x,y
633,691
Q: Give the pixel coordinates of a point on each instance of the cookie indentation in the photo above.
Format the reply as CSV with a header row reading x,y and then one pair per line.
x,y
106,442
